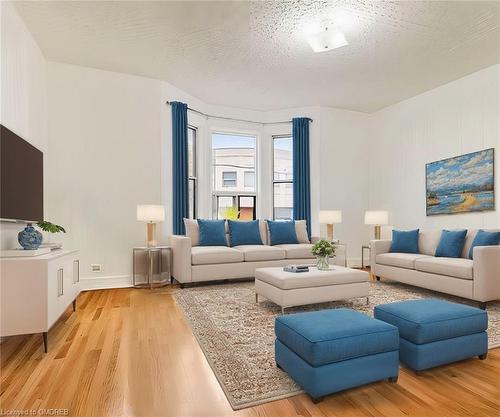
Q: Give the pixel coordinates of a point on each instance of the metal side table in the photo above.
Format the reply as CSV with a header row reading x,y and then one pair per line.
x,y
363,255
152,266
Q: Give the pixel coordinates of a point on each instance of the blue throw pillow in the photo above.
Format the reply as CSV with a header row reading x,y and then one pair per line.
x,y
244,233
212,232
451,243
484,238
405,241
282,232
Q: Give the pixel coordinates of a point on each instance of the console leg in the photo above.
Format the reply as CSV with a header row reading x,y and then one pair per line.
x,y
74,305
316,400
393,379
483,356
45,341
482,306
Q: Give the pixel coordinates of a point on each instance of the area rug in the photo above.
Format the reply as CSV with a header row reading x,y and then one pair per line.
x,y
237,335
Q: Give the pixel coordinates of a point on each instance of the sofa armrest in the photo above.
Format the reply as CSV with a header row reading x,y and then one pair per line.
x,y
486,267
377,247
181,258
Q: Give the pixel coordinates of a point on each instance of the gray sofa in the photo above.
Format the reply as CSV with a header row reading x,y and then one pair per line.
x,y
477,279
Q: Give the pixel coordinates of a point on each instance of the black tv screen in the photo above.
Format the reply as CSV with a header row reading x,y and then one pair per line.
x,y
21,194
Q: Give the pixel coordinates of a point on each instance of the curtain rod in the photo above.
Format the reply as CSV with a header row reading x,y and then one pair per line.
x,y
209,116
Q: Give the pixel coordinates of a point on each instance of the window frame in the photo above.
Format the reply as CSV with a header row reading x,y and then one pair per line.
x,y
236,195
193,178
224,179
278,181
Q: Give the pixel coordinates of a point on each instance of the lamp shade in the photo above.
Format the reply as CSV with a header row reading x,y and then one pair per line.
x,y
330,216
377,217
150,213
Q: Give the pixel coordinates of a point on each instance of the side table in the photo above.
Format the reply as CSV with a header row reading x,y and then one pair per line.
x,y
152,266
342,251
362,255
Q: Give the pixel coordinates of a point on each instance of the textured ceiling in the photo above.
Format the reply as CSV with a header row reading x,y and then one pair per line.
x,y
254,54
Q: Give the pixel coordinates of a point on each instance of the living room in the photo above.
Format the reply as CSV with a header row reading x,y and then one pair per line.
x,y
92,86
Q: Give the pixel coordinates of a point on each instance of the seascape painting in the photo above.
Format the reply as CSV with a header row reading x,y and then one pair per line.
x,y
461,184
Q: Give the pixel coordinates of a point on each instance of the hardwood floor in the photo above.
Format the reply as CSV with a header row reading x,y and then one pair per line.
x,y
129,352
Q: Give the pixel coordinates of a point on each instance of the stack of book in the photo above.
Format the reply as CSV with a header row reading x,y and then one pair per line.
x,y
296,268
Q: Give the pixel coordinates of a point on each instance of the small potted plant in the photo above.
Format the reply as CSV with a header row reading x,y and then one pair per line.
x,y
323,249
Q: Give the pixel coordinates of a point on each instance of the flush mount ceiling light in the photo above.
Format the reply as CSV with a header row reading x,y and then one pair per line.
x,y
326,38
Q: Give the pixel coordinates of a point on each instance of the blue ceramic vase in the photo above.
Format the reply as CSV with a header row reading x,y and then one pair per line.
x,y
29,238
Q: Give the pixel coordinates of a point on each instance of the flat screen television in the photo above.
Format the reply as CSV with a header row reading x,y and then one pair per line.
x,y
21,178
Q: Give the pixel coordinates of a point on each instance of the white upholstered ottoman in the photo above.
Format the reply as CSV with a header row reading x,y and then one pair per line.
x,y
288,289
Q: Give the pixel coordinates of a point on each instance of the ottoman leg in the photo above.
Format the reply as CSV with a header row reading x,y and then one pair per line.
x,y
483,356
378,278
316,400
282,310
256,297
393,379
278,366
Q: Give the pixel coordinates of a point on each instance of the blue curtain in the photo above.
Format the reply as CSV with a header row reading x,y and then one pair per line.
x,y
301,179
180,192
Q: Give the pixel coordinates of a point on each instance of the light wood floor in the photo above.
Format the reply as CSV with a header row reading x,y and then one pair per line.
x,y
129,352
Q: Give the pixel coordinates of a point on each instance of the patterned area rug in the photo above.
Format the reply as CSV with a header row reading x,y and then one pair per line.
x,y
237,335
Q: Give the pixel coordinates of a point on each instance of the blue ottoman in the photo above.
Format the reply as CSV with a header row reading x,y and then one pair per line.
x,y
333,350
435,332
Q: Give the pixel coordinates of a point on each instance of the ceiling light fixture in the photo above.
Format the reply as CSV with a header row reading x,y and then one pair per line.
x,y
326,38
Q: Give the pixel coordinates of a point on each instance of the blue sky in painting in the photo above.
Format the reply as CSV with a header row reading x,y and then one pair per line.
x,y
468,172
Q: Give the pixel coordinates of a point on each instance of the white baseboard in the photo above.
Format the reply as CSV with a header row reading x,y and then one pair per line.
x,y
101,283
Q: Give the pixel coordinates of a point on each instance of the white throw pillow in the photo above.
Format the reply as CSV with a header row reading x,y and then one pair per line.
x,y
192,231
301,231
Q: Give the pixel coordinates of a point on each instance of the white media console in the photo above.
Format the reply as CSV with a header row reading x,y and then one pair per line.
x,y
35,291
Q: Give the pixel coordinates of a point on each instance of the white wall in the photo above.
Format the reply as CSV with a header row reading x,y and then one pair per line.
x,y
23,95
344,178
454,119
105,148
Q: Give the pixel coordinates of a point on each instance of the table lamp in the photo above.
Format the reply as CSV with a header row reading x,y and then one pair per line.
x,y
330,217
151,214
377,218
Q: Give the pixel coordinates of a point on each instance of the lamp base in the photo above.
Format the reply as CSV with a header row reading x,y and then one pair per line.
x,y
151,234
329,232
377,232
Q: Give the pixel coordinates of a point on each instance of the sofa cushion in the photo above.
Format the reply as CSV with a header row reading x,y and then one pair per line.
x,y
252,253
204,255
244,232
484,238
297,250
281,232
452,267
192,231
405,241
400,260
327,336
428,241
451,243
429,320
301,231
212,232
